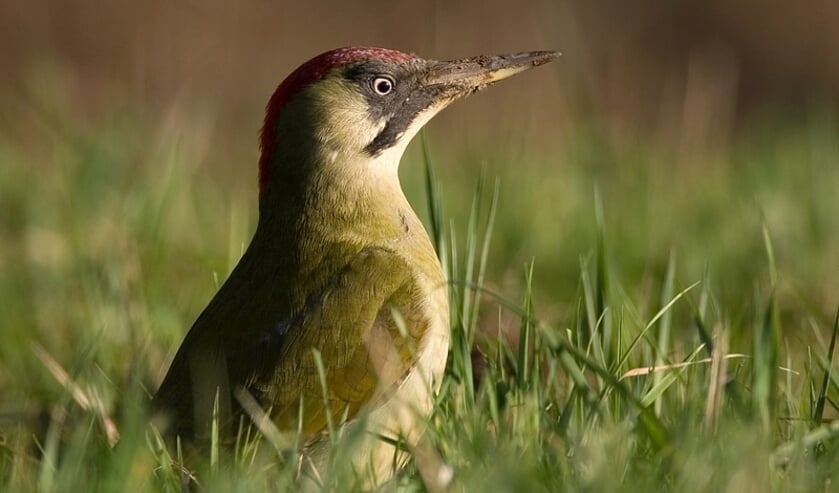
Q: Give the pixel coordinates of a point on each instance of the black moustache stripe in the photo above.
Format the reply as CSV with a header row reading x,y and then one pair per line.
x,y
402,119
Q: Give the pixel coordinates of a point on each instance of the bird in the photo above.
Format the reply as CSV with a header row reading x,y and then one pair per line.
x,y
339,306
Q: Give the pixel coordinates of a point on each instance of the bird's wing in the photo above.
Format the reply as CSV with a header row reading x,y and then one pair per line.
x,y
351,323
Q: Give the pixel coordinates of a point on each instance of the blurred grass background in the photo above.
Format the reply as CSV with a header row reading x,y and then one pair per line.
x,y
128,165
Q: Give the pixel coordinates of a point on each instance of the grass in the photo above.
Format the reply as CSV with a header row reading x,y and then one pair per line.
x,y
622,320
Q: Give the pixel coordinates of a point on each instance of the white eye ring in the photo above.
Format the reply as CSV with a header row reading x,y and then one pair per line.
x,y
383,85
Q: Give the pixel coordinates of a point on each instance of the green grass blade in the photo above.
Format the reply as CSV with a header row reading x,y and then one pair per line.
x,y
818,413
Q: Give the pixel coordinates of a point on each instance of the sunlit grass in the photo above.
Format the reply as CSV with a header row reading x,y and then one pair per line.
x,y
620,321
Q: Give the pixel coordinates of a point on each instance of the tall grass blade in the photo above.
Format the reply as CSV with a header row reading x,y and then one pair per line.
x,y
766,341
818,413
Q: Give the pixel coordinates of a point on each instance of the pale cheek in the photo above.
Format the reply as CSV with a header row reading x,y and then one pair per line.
x,y
350,132
364,130
345,124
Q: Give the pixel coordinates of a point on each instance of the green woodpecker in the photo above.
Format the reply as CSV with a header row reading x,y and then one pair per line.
x,y
337,258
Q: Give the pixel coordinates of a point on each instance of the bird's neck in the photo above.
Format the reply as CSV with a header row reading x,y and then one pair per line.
x,y
342,202
312,224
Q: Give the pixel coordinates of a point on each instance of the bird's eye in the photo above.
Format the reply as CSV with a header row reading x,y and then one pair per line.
x,y
382,85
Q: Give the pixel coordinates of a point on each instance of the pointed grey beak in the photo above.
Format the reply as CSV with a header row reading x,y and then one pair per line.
x,y
468,75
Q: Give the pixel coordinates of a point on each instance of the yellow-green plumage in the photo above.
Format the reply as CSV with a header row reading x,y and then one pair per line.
x,y
339,263
334,291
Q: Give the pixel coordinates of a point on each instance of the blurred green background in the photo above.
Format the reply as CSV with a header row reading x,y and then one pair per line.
x,y
128,149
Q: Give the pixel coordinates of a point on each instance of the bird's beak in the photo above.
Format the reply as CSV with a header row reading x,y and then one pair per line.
x,y
462,77
441,83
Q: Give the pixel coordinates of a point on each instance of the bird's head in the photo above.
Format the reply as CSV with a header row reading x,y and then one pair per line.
x,y
359,107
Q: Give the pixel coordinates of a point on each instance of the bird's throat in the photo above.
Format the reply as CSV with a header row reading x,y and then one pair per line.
x,y
333,210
